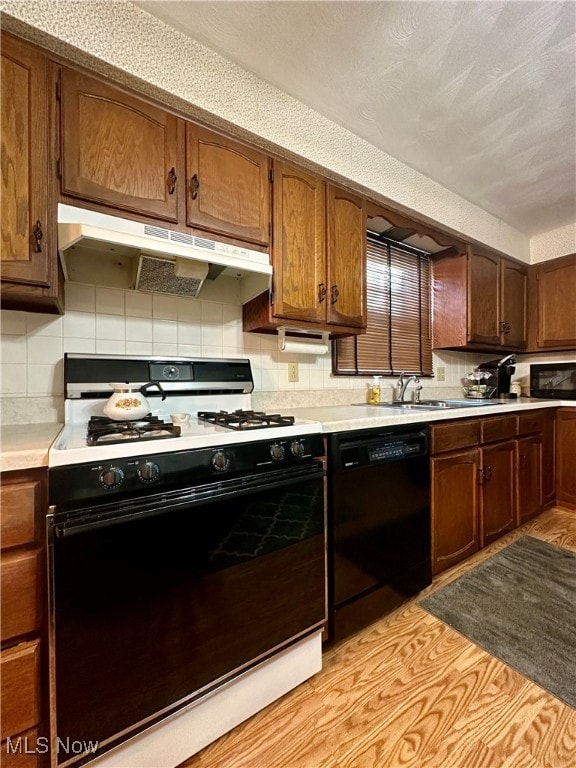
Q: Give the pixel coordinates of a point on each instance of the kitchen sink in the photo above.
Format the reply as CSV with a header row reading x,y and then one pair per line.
x,y
429,405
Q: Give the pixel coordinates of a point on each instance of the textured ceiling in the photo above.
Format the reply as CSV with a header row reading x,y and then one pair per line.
x,y
479,96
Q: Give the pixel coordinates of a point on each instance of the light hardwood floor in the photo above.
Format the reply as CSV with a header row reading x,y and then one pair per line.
x,y
409,692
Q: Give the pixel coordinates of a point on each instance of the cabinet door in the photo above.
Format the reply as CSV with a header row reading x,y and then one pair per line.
x,y
514,290
566,457
484,299
346,258
529,477
228,186
24,253
298,251
556,299
549,457
118,150
454,508
498,496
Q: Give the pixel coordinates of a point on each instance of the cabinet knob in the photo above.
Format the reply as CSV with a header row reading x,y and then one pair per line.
x,y
321,292
194,186
37,234
172,179
334,293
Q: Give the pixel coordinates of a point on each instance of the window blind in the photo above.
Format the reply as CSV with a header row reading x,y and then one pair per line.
x,y
398,334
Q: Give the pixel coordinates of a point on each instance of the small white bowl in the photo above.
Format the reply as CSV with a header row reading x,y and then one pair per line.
x,y
182,419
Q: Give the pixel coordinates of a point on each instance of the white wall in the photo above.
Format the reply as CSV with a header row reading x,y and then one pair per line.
x,y
108,321
550,245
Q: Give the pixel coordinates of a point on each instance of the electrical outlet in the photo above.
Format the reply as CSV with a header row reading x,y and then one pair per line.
x,y
292,371
440,373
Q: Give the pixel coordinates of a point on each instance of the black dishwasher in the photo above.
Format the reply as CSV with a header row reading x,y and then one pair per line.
x,y
379,523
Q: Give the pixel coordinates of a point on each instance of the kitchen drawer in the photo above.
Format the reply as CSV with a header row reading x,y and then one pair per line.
x,y
454,435
20,668
530,422
498,428
19,502
19,597
22,754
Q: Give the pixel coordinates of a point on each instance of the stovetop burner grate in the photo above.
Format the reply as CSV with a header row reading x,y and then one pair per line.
x,y
245,419
104,430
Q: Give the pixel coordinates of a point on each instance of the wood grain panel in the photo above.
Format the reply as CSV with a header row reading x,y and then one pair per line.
x,y
409,692
20,688
566,457
530,422
21,753
232,195
18,504
497,428
454,435
19,595
556,297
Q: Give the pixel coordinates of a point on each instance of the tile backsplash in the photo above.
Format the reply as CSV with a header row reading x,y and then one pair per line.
x,y
109,321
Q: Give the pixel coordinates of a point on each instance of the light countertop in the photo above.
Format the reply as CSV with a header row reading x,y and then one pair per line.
x,y
341,418
25,446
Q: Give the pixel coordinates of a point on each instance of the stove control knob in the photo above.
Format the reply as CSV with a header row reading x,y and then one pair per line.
x,y
111,478
220,461
148,472
277,451
297,449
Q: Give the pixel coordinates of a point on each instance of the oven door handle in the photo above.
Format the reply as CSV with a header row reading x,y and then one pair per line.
x,y
93,518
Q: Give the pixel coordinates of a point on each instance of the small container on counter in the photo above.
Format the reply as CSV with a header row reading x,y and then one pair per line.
x,y
374,391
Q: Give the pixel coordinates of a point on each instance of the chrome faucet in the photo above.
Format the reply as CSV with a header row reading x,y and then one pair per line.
x,y
403,385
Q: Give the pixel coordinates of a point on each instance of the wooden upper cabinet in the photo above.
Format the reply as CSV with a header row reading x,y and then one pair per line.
x,y
28,254
480,301
555,296
346,258
513,304
484,299
299,245
227,186
118,150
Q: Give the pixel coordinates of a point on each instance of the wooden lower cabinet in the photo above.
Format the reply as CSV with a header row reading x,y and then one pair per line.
x,y
566,457
455,517
529,477
498,491
24,707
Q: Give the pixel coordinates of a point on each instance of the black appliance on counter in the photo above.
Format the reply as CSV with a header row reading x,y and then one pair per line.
x,y
555,381
500,374
378,523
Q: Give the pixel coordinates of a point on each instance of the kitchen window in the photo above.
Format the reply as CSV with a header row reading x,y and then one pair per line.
x,y
399,330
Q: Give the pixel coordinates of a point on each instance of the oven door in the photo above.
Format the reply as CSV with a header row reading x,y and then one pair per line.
x,y
157,600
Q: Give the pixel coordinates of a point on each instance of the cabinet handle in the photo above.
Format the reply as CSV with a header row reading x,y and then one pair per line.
x,y
481,477
334,293
172,179
194,186
523,461
37,234
488,473
321,292
505,328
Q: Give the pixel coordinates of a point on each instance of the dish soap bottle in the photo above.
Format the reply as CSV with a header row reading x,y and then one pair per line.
x,y
374,391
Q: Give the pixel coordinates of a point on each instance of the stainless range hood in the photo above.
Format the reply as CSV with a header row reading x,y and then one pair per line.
x,y
108,251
